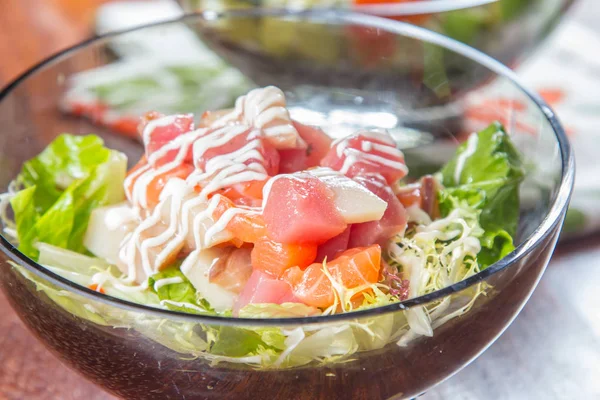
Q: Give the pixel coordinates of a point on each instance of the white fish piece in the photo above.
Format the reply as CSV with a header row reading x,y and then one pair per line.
x,y
196,268
355,202
107,228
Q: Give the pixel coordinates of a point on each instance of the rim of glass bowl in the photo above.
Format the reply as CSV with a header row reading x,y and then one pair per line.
x,y
552,218
418,7
405,9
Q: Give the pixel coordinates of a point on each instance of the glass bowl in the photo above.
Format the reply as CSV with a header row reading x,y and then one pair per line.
x,y
136,351
505,29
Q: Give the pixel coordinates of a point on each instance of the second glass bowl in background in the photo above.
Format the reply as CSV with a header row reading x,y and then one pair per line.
x,y
507,30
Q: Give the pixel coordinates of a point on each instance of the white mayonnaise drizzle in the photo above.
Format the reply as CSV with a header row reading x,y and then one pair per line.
x,y
323,172
132,177
167,281
364,155
221,224
156,123
354,156
146,174
134,245
200,240
164,231
265,109
462,158
228,169
266,191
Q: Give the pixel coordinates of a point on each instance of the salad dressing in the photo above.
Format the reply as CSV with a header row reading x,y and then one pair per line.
x,y
217,138
266,191
139,195
265,109
204,241
340,144
462,158
221,224
167,281
134,242
133,177
156,123
181,144
103,277
354,156
171,246
168,207
220,171
229,169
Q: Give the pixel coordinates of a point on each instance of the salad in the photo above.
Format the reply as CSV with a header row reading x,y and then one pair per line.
x,y
249,213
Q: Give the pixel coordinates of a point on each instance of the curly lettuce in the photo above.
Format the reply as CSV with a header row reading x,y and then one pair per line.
x,y
433,255
486,172
479,206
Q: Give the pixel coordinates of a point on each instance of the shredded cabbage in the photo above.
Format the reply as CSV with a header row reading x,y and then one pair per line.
x,y
285,310
435,256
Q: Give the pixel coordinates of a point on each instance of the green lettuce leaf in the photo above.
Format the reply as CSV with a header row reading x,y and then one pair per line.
x,y
495,245
236,342
486,172
489,159
272,337
65,160
62,185
178,296
24,207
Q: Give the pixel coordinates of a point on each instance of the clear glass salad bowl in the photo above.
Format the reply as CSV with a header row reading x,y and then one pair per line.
x,y
505,29
413,85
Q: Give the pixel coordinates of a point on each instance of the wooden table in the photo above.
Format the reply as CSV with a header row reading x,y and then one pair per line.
x,y
552,351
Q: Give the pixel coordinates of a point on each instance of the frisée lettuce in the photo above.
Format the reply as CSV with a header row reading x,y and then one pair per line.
x,y
486,173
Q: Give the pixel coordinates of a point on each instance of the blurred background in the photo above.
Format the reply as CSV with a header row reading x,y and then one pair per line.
x,y
553,349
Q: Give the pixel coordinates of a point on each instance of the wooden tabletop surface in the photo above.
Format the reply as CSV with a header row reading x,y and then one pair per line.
x,y
552,350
